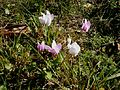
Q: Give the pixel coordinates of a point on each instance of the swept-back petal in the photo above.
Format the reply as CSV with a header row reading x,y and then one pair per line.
x,y
41,47
47,12
86,26
53,44
74,49
58,48
46,18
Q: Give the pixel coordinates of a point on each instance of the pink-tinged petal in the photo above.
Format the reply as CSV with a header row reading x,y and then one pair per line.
x,y
58,48
83,27
86,26
41,47
55,49
48,48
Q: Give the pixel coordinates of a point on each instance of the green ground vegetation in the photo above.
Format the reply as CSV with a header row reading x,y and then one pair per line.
x,y
96,67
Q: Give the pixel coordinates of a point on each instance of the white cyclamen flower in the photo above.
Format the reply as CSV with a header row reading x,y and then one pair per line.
x,y
74,48
46,19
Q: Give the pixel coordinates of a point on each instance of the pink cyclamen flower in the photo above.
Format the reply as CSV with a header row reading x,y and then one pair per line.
x,y
86,25
46,19
55,49
41,47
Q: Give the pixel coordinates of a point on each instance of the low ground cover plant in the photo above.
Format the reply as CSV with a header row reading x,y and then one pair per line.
x,y
59,45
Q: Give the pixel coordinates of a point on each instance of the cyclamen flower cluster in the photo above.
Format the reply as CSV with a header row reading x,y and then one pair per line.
x,y
55,49
48,17
74,48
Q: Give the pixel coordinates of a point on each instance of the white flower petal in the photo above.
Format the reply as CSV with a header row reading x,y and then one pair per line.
x,y
43,43
85,20
69,40
46,19
74,49
54,44
43,14
47,12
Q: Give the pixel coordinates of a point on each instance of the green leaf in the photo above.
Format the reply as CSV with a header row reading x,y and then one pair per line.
x,y
114,76
2,87
49,75
8,66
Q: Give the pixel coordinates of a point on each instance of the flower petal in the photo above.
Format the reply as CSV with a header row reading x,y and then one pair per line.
x,y
46,19
41,47
53,44
86,25
55,50
58,48
74,49
47,12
